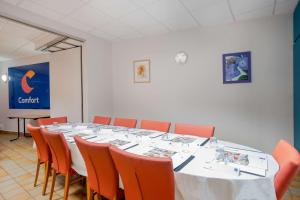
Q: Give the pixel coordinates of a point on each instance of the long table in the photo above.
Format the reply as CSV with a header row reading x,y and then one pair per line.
x,y
24,117
198,174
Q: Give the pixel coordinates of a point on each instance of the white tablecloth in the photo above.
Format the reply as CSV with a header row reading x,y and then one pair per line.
x,y
196,182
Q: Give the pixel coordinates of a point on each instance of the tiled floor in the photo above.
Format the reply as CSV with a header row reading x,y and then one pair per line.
x,y
17,171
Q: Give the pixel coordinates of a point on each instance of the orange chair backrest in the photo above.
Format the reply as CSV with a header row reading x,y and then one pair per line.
x,y
129,123
288,159
102,120
60,151
196,130
155,125
42,147
49,121
102,174
145,178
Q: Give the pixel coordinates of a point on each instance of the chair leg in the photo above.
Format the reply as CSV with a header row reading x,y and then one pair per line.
x,y
98,197
53,184
38,163
46,176
67,186
88,190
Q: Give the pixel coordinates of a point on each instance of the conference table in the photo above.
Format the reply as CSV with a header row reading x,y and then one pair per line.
x,y
203,168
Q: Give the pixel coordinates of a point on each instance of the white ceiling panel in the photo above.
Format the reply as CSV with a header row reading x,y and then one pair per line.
x,y
61,6
165,9
101,34
114,8
144,23
257,13
180,22
214,14
199,4
244,6
122,19
77,24
118,29
144,2
91,16
40,10
14,2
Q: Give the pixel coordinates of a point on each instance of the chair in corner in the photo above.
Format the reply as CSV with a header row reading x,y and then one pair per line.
x,y
288,159
43,155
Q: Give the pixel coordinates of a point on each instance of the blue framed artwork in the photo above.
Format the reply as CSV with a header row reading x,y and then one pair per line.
x,y
29,86
237,67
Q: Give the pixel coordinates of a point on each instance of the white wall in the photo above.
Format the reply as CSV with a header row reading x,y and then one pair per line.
x,y
97,80
65,84
256,114
11,124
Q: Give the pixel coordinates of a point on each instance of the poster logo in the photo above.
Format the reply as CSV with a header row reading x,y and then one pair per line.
x,y
29,86
25,87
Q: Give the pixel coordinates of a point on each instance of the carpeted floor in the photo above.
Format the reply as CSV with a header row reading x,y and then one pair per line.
x,y
18,166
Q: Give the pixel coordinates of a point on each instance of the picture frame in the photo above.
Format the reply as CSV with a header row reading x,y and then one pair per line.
x,y
237,67
141,71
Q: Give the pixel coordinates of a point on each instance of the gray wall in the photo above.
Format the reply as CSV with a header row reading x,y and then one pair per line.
x,y
256,114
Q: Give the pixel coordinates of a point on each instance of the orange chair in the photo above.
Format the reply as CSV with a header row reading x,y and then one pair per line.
x,y
196,130
43,154
61,157
49,121
129,123
102,120
155,125
144,178
288,159
102,177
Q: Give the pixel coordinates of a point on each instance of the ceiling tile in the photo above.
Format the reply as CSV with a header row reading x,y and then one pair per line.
x,y
198,4
180,22
214,14
103,35
144,2
114,8
165,9
244,6
61,6
40,10
90,16
117,29
77,24
13,2
257,13
144,23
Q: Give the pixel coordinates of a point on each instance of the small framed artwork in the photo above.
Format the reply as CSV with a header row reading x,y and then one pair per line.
x,y
141,70
237,67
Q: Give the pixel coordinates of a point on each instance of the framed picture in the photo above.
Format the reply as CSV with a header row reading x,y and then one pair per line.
x,y
141,69
237,67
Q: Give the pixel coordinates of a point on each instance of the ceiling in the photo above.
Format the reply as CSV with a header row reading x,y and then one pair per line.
x,y
18,40
124,19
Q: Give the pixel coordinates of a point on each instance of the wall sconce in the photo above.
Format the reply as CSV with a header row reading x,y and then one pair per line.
x,y
181,58
4,78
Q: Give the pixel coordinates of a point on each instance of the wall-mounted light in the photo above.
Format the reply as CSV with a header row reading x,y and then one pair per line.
x,y
181,58
4,78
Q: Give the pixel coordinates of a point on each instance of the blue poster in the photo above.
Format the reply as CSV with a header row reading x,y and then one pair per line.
x,y
29,86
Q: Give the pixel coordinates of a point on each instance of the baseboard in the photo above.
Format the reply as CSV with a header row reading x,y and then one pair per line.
x,y
8,132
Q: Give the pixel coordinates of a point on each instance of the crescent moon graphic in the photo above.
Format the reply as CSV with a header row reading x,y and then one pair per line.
x,y
25,87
